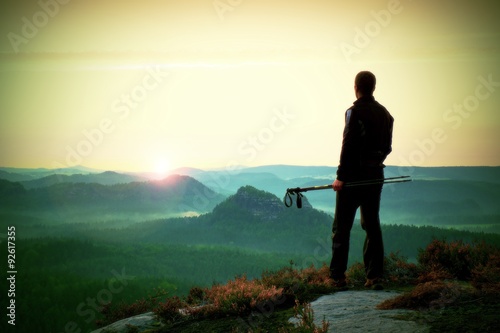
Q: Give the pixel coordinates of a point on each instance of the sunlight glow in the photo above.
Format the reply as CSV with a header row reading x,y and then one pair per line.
x,y
161,168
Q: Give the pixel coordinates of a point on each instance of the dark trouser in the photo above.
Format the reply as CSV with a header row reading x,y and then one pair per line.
x,y
367,198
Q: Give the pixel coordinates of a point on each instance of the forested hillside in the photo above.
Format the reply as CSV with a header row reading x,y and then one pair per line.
x,y
70,202
460,197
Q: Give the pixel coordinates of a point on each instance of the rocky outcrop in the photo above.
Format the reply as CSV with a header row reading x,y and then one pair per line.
x,y
259,203
262,205
348,311
140,323
355,312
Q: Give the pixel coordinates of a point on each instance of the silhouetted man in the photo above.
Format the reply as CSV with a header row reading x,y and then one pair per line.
x,y
367,140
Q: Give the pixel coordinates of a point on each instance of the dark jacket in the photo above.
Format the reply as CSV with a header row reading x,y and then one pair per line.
x,y
367,139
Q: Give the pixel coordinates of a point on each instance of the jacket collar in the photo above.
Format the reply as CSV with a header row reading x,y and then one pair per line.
x,y
365,99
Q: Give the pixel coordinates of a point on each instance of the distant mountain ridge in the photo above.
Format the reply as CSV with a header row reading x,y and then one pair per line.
x,y
221,177
434,191
14,177
104,178
274,177
173,196
437,195
35,173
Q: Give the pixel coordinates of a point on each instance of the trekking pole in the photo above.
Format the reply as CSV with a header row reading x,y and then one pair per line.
x,y
288,200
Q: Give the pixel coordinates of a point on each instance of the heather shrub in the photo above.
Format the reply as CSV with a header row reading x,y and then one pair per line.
x,y
435,274
196,296
398,270
299,284
317,279
454,259
169,311
113,312
355,274
433,294
239,297
442,265
486,276
287,278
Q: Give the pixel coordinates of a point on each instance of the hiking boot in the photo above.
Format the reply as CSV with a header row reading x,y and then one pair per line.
x,y
374,284
339,284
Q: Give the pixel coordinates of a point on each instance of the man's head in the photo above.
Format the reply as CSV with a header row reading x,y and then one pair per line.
x,y
364,84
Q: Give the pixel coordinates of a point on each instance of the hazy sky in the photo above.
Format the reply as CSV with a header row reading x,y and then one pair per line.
x,y
153,85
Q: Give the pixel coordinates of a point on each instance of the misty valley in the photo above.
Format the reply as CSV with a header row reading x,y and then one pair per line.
x,y
85,237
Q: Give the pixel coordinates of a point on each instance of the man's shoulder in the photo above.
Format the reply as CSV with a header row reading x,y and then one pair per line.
x,y
369,108
360,106
379,104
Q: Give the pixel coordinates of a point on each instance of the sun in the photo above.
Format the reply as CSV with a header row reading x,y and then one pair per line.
x,y
161,167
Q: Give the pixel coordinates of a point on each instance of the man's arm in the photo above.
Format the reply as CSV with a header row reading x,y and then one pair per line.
x,y
351,145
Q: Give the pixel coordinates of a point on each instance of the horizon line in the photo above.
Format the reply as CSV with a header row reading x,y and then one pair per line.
x,y
233,168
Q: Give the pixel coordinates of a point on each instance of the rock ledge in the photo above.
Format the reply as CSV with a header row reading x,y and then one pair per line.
x,y
142,322
355,311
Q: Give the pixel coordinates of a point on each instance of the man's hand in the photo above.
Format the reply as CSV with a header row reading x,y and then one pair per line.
x,y
337,185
